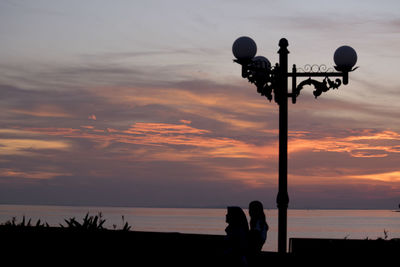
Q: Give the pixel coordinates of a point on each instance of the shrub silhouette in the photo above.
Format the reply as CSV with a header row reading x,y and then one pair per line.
x,y
89,223
23,224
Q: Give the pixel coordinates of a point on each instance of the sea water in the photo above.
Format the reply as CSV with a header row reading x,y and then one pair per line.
x,y
352,224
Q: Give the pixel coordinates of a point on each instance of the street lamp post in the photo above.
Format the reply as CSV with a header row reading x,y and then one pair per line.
x,y
272,82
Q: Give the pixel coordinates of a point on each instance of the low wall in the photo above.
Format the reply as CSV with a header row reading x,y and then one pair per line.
x,y
364,250
58,246
117,247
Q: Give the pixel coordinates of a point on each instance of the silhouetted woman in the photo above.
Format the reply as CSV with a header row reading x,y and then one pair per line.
x,y
258,227
237,237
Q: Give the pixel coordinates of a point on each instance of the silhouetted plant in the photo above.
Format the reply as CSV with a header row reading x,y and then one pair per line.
x,y
385,235
91,223
24,223
126,225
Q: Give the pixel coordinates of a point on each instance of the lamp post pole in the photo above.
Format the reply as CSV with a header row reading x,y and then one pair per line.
x,y
274,81
282,199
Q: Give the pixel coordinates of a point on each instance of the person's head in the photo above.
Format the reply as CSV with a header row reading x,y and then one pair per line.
x,y
256,209
236,217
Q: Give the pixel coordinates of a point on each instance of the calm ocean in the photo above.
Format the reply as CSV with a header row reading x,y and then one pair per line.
x,y
357,224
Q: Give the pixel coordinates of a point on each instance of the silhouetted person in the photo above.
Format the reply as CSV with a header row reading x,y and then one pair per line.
x,y
237,237
258,229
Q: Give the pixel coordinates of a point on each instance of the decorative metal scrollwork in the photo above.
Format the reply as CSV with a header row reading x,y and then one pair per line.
x,y
262,78
320,87
267,83
315,68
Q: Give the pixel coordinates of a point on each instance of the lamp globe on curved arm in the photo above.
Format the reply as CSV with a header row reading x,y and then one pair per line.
x,y
345,58
262,62
244,48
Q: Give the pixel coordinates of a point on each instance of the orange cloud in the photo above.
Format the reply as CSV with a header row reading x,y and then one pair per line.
x,y
17,132
193,102
67,132
363,144
87,126
163,128
385,176
366,144
183,142
44,111
167,136
186,121
31,175
27,146
370,135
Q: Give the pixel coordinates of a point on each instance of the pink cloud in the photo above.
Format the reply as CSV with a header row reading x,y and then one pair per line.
x,y
87,126
186,121
365,143
184,143
31,174
163,128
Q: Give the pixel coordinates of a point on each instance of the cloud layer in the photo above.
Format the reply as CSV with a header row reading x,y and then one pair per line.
x,y
139,104
188,144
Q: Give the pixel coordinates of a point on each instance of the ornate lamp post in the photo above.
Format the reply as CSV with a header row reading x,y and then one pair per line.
x,y
272,82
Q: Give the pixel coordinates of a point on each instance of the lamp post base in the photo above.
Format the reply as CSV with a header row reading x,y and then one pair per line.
x,y
282,201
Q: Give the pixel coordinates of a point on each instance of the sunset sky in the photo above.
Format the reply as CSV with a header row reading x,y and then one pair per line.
x,y
138,103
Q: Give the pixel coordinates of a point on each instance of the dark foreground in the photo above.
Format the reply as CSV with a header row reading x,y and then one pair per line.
x,y
62,247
